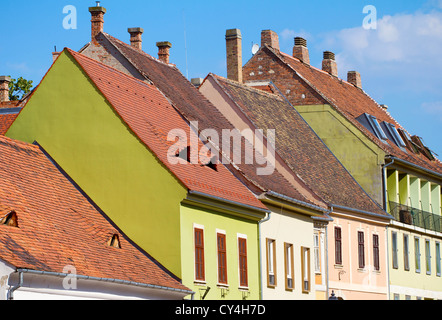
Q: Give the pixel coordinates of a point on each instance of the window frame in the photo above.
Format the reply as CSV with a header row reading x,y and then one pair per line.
x,y
417,254
289,269
222,258
242,262
199,261
428,256
361,249
338,246
271,262
406,252
376,253
394,249
438,259
305,269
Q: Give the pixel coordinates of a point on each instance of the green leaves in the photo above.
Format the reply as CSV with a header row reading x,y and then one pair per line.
x,y
18,88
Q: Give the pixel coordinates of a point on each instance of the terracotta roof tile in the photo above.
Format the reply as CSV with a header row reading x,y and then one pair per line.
x,y
149,114
352,102
300,147
58,226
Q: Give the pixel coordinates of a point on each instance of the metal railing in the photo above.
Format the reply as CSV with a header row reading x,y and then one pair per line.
x,y
416,217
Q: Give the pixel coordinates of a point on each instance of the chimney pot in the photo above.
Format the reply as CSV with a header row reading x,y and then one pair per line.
x,y
4,88
270,38
97,21
300,50
163,51
354,78
329,64
234,55
136,39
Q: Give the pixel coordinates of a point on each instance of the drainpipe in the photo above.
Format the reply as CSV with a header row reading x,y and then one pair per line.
x,y
384,180
326,257
260,254
13,289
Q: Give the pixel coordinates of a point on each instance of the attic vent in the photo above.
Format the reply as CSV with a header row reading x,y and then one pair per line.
x,y
114,242
212,164
10,220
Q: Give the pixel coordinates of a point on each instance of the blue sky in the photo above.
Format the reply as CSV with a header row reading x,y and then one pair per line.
x,y
399,62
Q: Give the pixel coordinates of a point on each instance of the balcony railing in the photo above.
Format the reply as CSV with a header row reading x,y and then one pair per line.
x,y
416,217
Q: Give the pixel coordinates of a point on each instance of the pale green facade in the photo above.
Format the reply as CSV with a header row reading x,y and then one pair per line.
x,y
360,156
79,129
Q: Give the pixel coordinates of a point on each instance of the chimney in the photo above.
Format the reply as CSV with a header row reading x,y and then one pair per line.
x,y
270,38
234,54
163,51
354,78
329,64
55,55
300,50
4,88
136,40
197,82
97,20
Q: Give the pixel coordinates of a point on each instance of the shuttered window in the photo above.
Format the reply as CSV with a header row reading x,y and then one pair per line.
x,y
338,246
222,258
199,255
376,262
361,250
242,251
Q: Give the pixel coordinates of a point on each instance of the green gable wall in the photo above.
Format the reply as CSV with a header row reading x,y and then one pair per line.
x,y
360,156
74,123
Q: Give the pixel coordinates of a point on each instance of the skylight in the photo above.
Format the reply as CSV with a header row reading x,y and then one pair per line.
x,y
376,127
395,135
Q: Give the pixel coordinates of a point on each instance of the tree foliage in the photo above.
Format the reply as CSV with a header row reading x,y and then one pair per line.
x,y
19,87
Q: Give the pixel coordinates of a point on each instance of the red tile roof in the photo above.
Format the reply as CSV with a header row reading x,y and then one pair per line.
x,y
300,147
58,226
352,102
195,107
6,121
149,114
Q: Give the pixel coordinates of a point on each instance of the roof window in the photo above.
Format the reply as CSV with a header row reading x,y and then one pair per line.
x,y
395,137
376,127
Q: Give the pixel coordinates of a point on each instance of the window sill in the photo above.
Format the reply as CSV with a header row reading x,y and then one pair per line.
x,y
222,285
200,283
243,288
339,266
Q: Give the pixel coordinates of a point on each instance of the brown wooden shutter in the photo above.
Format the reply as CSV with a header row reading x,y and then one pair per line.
x,y
361,250
222,259
199,255
338,246
242,248
376,262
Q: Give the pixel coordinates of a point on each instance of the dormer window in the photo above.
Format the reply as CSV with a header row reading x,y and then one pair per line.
x,y
114,242
376,127
395,137
10,220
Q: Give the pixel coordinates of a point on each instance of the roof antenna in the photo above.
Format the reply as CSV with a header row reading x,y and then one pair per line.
x,y
98,3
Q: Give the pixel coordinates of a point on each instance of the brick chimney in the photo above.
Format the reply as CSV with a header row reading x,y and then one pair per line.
x,y
354,78
270,38
4,88
163,51
329,63
300,50
136,40
97,20
234,55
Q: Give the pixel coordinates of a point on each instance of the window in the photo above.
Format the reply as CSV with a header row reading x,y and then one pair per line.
x,y
242,252
438,258
289,268
376,262
376,127
305,269
428,256
406,254
338,246
394,134
199,255
317,252
271,263
222,258
417,254
394,249
361,250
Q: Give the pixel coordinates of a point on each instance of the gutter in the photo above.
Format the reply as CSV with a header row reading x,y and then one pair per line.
x,y
117,281
377,215
410,164
13,289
